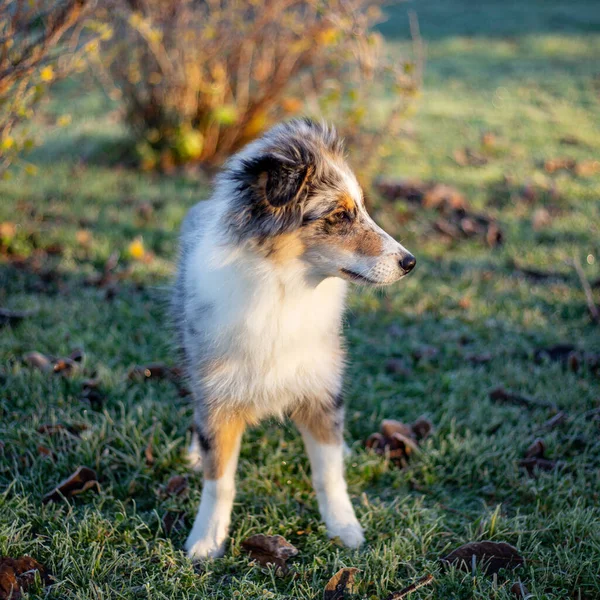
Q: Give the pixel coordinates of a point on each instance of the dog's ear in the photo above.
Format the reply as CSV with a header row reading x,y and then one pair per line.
x,y
281,180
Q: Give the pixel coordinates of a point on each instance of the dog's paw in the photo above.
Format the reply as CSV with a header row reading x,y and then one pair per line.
x,y
204,548
349,533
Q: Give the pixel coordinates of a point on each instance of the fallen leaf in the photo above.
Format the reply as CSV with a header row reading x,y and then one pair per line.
x,y
38,360
82,480
397,366
540,219
587,168
136,249
536,449
65,366
176,486
422,428
53,429
467,157
47,453
413,587
13,317
479,359
173,522
518,590
398,440
340,584
531,465
489,556
270,550
556,164
499,394
425,352
570,356
18,574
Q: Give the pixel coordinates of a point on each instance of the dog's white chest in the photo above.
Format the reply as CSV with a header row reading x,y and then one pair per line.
x,y
272,344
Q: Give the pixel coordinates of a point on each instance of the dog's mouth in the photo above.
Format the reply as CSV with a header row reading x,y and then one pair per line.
x,y
359,278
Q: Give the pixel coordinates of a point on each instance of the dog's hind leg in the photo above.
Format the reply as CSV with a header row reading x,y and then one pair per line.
x,y
194,453
321,426
220,446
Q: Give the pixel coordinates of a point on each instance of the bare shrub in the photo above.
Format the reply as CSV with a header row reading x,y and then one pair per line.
x,y
200,78
39,43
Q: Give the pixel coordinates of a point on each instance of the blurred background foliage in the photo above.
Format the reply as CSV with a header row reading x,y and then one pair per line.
x,y
199,79
41,41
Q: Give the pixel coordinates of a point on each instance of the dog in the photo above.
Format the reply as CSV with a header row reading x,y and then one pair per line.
x,y
258,303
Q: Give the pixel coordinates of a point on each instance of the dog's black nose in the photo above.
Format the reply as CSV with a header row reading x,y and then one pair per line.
x,y
407,263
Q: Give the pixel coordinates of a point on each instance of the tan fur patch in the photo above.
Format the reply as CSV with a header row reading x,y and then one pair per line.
x,y
369,243
322,422
224,441
286,247
346,202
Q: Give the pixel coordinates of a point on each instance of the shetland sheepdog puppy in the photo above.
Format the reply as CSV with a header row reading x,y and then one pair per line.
x,y
258,302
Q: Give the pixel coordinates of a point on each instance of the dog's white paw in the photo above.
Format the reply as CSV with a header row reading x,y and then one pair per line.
x,y
201,549
350,533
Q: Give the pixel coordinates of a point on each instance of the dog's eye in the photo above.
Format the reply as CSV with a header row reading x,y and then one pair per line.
x,y
343,216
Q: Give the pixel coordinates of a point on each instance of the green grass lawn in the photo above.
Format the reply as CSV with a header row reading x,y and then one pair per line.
x,y
529,73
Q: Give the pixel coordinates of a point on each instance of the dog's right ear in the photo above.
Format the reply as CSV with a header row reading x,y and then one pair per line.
x,y
281,181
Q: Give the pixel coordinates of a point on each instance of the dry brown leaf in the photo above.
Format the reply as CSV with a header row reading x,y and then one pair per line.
x,y
13,317
173,522
82,480
176,486
340,584
556,164
399,441
18,574
587,168
397,366
518,590
489,556
536,449
38,360
47,453
270,550
499,394
65,366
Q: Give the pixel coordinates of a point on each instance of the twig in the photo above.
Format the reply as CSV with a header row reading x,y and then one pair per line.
x,y
425,580
587,290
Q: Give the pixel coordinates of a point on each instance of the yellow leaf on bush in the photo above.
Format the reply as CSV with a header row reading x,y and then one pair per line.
x,y
256,125
31,170
83,237
7,230
226,114
327,36
291,105
63,120
47,73
7,143
136,249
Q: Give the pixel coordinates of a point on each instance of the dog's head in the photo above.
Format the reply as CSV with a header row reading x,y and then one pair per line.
x,y
296,198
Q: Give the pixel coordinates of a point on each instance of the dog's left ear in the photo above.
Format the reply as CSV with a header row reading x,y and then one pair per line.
x,y
281,180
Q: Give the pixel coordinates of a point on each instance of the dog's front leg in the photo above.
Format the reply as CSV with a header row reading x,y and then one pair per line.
x,y
321,426
220,446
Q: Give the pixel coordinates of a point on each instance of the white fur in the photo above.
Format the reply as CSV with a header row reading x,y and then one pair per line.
x,y
277,331
327,465
209,533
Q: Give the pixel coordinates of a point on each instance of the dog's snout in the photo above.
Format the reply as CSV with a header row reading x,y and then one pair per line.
x,y
407,263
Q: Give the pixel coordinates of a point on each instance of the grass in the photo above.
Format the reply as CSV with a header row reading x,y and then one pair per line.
x,y
527,72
